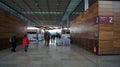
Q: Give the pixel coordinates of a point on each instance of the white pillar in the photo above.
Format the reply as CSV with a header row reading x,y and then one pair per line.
x,y
86,5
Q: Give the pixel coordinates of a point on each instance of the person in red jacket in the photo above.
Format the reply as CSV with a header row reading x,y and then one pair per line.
x,y
25,42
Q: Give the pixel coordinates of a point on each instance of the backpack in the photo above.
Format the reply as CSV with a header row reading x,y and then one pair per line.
x,y
10,39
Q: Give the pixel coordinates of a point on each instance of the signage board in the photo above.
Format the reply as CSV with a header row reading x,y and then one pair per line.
x,y
104,19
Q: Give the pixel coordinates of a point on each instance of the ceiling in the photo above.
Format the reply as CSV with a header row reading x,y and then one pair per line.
x,y
47,12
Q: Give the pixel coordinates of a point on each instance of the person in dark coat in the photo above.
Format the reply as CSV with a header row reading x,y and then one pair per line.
x,y
14,42
47,38
53,38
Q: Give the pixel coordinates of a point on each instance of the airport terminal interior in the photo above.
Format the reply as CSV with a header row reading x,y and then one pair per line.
x,y
59,33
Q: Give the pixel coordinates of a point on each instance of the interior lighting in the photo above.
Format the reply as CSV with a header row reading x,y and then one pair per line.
x,y
32,28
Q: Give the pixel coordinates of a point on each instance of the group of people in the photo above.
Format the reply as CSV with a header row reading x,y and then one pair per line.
x,y
48,37
25,41
13,40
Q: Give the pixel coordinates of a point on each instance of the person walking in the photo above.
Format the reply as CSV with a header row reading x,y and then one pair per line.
x,y
52,38
47,38
25,42
14,42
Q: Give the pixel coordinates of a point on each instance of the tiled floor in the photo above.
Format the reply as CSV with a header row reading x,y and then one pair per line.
x,y
39,55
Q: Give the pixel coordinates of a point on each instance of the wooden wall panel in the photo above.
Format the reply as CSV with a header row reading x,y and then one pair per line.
x,y
105,35
10,25
105,47
116,28
116,11
109,34
116,43
106,8
83,28
106,27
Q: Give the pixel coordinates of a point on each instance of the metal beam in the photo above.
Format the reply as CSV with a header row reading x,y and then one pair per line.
x,y
42,12
15,13
72,5
29,12
68,22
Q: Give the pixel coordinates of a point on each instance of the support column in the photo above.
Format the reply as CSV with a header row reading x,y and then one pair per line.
x,y
68,22
86,4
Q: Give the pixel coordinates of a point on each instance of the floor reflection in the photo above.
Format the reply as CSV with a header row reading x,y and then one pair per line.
x,y
39,55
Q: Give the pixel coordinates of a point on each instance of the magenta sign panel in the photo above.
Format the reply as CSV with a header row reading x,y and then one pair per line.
x,y
104,19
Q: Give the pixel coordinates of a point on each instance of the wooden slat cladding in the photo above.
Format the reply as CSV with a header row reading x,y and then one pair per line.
x,y
116,40
10,25
105,46
83,28
105,35
106,8
106,27
109,32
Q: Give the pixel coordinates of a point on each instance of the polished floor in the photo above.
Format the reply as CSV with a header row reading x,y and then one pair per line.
x,y
39,55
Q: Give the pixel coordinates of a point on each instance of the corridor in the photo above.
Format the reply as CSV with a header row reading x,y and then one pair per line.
x,y
39,55
92,26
